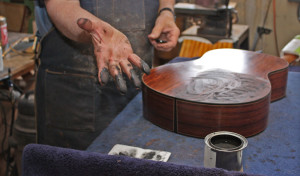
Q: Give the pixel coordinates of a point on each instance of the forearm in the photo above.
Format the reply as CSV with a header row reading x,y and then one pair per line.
x,y
166,4
64,14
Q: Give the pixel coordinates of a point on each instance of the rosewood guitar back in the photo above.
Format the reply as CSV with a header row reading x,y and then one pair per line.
x,y
225,90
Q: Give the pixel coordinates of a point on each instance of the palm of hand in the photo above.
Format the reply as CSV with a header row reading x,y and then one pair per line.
x,y
113,53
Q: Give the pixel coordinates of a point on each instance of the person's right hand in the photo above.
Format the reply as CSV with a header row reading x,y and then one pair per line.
x,y
113,53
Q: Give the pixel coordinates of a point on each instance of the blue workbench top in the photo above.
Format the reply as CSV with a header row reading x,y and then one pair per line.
x,y
275,151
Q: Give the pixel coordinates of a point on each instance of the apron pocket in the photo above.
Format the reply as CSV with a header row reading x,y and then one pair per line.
x,y
70,101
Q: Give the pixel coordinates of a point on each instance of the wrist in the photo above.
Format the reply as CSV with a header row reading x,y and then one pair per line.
x,y
167,10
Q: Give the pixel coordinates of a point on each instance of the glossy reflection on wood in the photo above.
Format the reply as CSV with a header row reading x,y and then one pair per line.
x,y
227,89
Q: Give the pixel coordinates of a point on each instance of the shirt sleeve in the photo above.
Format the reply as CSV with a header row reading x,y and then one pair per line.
x,y
41,3
42,19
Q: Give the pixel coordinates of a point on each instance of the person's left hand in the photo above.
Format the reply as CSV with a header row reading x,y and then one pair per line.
x,y
165,30
113,53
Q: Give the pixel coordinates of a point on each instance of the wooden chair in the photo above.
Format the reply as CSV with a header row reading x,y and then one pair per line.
x,y
193,46
17,16
290,58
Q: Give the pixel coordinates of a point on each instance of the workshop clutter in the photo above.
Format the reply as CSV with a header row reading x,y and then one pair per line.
x,y
24,131
1,60
3,32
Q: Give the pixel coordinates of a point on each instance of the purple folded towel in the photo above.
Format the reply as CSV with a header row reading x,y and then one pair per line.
x,y
48,160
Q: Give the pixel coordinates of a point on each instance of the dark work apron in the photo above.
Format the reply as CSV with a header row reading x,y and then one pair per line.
x,y
72,107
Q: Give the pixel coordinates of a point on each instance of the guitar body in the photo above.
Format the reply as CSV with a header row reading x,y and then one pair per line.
x,y
224,90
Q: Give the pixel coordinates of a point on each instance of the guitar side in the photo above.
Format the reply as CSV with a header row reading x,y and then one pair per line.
x,y
170,101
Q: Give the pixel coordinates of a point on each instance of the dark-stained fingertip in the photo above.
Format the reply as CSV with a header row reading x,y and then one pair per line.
x,y
121,84
104,76
135,79
145,68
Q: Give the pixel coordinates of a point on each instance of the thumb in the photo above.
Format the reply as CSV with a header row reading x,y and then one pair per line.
x,y
85,24
156,31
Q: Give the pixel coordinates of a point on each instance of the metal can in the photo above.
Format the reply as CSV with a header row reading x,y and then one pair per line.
x,y
4,33
223,149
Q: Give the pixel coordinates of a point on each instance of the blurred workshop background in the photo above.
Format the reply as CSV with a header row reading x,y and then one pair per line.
x,y
264,26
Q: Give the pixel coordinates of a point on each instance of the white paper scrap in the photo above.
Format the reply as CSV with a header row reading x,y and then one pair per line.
x,y
136,152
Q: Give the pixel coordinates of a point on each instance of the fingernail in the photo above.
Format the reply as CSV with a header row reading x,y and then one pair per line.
x,y
104,76
145,67
84,23
121,84
136,80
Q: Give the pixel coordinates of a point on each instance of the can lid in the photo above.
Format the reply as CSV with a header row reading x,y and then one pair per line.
x,y
226,141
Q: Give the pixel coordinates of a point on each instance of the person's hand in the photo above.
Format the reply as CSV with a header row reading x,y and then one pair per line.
x,y
113,53
165,33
